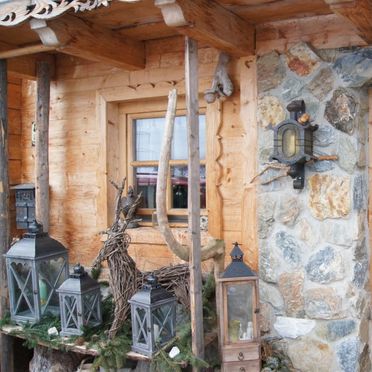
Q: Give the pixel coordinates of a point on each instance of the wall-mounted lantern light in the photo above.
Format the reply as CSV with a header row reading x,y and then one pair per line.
x,y
25,205
293,142
80,302
153,312
240,332
36,266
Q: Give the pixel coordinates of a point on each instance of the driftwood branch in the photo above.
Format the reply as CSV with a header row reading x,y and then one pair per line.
x,y
214,247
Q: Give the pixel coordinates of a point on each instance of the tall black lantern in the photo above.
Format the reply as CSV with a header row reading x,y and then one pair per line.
x,y
293,142
25,205
80,302
36,266
153,312
240,332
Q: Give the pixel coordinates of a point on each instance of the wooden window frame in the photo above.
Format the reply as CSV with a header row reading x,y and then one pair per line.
x,y
148,112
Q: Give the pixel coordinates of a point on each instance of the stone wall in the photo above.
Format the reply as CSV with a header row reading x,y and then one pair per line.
x,y
314,254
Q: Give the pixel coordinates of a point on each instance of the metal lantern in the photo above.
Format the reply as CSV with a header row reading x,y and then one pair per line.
x,y
36,266
25,205
293,142
153,312
240,338
80,302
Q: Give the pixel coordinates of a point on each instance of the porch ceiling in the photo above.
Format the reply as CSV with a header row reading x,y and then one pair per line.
x,y
247,24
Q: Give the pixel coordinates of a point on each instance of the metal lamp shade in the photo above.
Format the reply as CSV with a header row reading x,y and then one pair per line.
x,y
153,312
36,266
80,303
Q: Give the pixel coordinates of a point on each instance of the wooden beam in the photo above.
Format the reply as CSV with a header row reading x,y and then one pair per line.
x,y
192,107
42,145
6,346
94,43
209,22
23,51
357,12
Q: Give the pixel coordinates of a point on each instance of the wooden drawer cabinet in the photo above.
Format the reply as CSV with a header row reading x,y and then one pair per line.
x,y
249,366
241,354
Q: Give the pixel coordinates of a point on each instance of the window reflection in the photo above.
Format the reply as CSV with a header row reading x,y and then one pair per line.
x,y
145,179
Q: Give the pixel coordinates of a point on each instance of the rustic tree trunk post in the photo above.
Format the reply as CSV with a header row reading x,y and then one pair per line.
x,y
6,342
42,145
192,106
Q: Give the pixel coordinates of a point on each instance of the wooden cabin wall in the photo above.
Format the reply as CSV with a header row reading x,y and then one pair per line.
x,y
77,180
15,158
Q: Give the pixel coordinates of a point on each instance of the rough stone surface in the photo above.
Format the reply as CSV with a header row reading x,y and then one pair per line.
x,y
293,327
291,288
365,360
324,136
321,166
337,329
360,273
270,265
362,158
321,84
360,193
307,233
347,154
322,303
348,354
329,196
341,111
266,317
270,111
355,69
271,295
325,266
288,210
302,60
289,247
310,355
291,89
266,210
270,71
338,233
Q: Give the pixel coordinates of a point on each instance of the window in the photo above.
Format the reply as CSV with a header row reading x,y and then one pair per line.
x,y
146,134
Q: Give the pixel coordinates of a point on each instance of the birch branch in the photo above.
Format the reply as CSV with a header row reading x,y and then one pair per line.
x,y
214,247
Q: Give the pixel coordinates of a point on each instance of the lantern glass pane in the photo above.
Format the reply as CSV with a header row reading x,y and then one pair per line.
x,y
162,323
51,275
21,276
141,326
90,305
289,142
239,312
71,312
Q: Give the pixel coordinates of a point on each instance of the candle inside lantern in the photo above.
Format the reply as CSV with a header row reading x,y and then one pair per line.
x,y
43,289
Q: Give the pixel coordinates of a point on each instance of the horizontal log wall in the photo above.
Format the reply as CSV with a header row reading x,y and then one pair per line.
x,y
76,144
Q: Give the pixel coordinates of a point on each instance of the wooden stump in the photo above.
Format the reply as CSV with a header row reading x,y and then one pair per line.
x,y
49,360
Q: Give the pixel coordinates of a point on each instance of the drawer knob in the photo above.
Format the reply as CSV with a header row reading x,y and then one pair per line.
x,y
241,356
242,369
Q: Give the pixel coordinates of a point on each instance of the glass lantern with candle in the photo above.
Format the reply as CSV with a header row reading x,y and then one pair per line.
x,y
293,142
153,313
238,291
36,266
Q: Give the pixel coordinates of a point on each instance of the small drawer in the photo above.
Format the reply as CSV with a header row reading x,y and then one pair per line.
x,y
250,366
241,354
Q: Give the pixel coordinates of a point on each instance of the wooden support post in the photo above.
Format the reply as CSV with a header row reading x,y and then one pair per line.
x,y
192,106
42,145
6,347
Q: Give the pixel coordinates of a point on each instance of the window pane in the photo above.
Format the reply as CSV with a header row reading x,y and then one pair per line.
x,y
179,180
179,144
149,135
145,180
